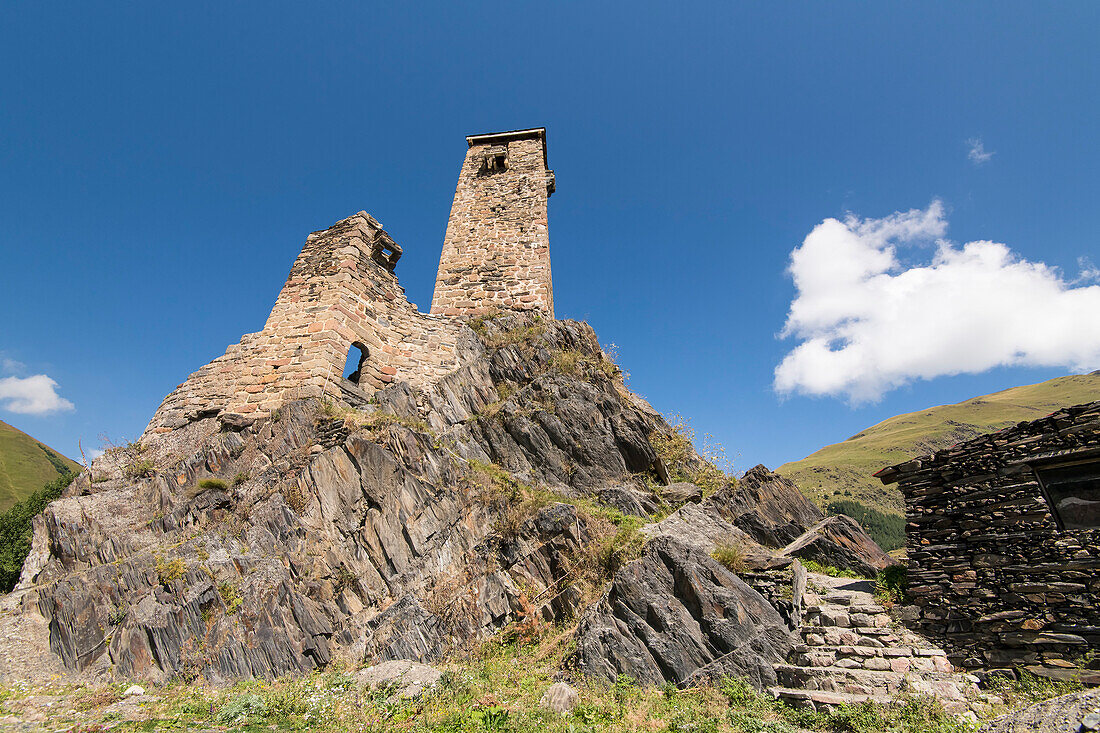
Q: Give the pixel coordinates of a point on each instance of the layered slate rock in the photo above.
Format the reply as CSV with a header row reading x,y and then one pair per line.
x,y
1079,711
841,543
236,550
768,507
677,615
764,515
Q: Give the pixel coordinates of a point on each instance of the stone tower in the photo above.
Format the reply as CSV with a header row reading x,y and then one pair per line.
x,y
496,253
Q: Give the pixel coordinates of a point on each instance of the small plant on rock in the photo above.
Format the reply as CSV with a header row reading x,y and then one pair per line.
x,y
169,570
139,468
676,449
730,555
230,597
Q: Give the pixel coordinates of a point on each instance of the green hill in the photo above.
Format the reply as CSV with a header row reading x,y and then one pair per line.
x,y
26,465
842,472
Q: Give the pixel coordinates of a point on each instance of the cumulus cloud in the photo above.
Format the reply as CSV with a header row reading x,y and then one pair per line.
x,y
35,395
882,302
976,152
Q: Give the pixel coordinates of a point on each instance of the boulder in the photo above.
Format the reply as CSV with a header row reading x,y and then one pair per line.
x,y
407,679
676,615
628,500
681,493
840,542
702,527
560,698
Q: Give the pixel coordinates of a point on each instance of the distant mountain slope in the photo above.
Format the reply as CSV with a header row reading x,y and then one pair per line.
x,y
844,470
26,465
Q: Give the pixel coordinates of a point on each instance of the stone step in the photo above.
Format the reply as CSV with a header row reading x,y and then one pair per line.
x,y
821,700
862,630
823,638
839,679
838,599
878,644
870,659
834,616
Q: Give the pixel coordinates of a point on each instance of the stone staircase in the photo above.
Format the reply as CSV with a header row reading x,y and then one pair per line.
x,y
851,651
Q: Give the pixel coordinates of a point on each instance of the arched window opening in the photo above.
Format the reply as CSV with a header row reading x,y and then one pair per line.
x,y
357,358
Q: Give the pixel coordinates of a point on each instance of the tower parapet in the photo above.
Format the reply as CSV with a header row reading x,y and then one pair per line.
x,y
496,253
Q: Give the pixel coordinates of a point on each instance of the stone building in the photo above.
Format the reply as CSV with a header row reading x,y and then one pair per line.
x,y
1003,541
496,254
343,299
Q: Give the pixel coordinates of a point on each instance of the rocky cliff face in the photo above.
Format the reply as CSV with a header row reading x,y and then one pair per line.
x,y
514,489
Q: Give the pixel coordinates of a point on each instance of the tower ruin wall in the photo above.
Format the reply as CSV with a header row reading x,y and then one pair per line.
x,y
341,292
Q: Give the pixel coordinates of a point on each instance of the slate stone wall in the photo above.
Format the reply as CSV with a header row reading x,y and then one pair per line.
x,y
496,253
992,575
341,291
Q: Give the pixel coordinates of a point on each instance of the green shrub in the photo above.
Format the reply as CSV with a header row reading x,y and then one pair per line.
x,y
677,450
210,484
139,468
243,709
15,529
891,583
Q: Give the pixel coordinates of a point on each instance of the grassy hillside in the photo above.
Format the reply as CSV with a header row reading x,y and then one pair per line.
x,y
843,471
26,465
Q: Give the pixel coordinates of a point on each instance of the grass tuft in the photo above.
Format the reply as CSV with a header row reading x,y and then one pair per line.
x,y
732,556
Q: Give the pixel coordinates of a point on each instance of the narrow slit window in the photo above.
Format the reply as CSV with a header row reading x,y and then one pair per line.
x,y
357,359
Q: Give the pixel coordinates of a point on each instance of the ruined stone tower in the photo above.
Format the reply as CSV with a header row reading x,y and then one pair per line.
x,y
342,302
496,253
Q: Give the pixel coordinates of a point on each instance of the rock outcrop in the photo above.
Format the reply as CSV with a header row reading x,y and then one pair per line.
x,y
1077,712
841,543
677,615
402,530
768,507
394,532
414,525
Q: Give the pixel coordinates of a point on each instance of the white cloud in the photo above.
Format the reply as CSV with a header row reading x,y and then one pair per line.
x,y
977,153
1088,271
36,395
869,323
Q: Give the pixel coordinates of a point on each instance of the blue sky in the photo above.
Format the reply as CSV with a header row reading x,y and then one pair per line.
x,y
161,167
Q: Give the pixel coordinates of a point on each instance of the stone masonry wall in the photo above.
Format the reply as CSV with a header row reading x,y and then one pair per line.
x,y
341,291
496,253
990,571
